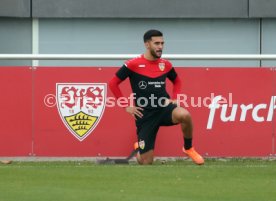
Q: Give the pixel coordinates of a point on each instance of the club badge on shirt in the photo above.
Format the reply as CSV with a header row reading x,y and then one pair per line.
x,y
161,66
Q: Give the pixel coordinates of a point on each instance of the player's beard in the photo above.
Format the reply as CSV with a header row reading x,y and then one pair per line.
x,y
153,53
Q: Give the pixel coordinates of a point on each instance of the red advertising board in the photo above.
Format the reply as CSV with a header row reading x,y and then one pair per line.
x,y
237,125
274,117
113,135
232,110
16,111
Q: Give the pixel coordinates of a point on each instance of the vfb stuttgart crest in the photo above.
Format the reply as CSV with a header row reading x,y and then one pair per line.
x,y
162,66
81,106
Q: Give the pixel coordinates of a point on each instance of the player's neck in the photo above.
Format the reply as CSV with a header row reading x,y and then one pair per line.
x,y
148,56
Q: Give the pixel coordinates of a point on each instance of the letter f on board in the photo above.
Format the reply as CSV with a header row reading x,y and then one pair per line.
x,y
213,106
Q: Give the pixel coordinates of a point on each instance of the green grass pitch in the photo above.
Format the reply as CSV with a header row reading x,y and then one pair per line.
x,y
221,180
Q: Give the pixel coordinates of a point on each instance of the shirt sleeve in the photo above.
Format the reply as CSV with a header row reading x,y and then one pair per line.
x,y
123,73
114,83
172,76
176,87
114,87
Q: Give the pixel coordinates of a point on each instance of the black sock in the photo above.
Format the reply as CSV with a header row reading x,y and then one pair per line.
x,y
188,143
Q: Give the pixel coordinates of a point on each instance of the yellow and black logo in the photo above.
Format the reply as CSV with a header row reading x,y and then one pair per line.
x,y
81,106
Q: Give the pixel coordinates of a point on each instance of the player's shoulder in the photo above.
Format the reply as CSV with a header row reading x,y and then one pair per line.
x,y
167,63
132,63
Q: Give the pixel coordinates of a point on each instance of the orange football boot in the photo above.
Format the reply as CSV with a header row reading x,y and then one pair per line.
x,y
136,146
196,157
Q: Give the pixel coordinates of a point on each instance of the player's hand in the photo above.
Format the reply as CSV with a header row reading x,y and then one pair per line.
x,y
135,111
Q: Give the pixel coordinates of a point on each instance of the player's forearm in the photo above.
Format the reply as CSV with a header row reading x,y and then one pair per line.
x,y
114,87
176,87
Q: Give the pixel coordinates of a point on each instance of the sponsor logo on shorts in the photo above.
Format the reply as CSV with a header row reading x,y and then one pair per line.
x,y
81,106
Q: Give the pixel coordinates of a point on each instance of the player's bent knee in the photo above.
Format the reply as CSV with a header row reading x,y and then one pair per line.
x,y
181,115
146,158
145,162
186,115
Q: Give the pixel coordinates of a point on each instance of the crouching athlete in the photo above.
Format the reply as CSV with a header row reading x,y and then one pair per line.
x,y
153,106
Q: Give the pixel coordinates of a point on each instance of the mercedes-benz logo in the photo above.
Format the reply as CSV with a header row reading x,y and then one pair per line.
x,y
142,85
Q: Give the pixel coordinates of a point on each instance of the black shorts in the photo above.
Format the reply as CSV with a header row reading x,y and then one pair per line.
x,y
148,125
